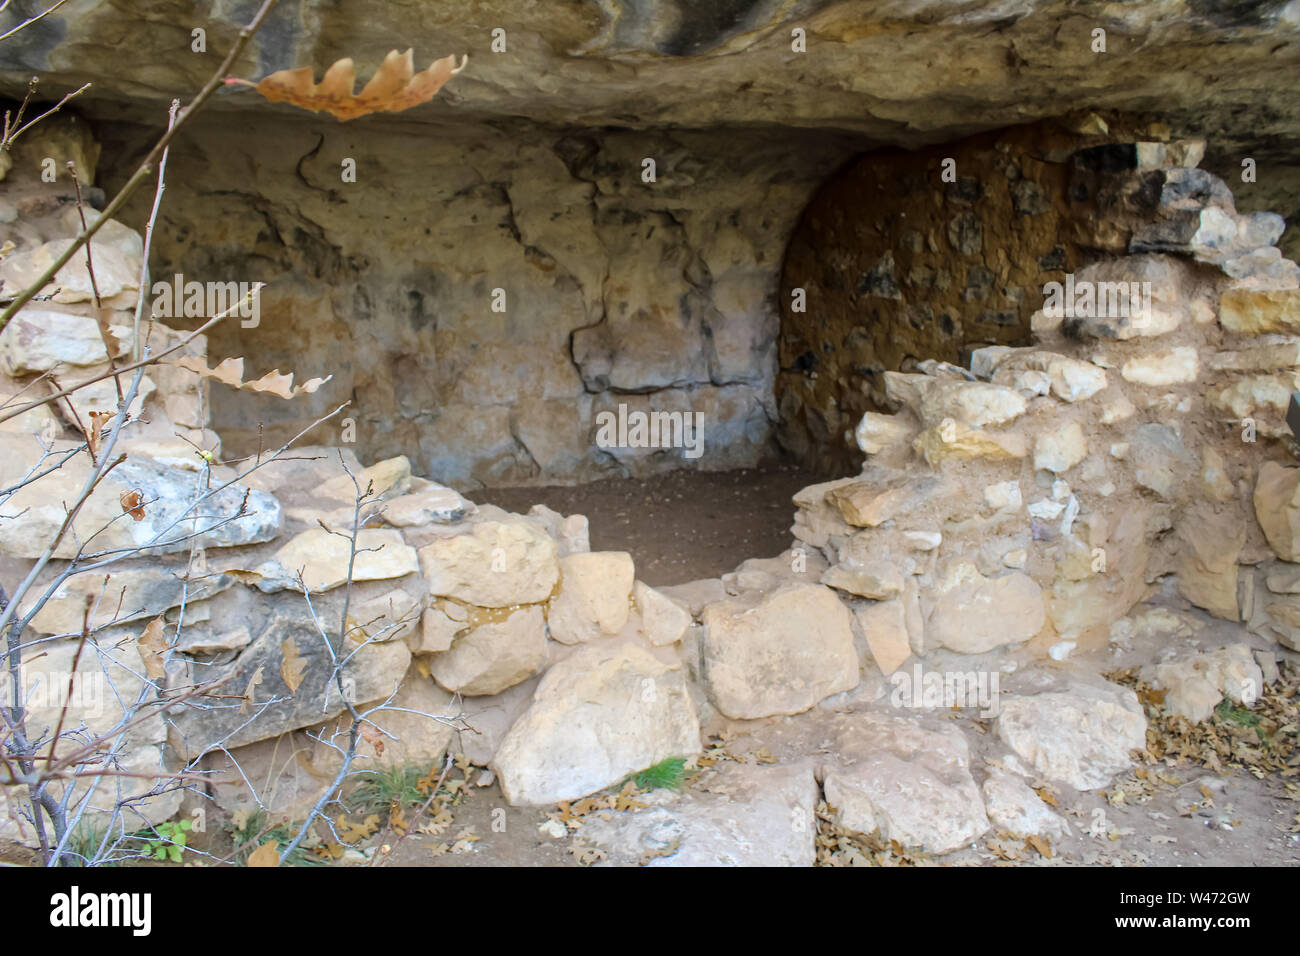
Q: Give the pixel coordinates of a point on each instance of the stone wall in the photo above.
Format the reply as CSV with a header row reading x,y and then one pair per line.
x,y
657,295
1010,518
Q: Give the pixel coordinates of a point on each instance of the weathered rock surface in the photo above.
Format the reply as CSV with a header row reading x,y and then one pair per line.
x,y
257,675
1014,807
979,614
497,564
779,655
742,815
494,655
319,560
179,512
1195,684
593,596
910,783
608,710
1080,736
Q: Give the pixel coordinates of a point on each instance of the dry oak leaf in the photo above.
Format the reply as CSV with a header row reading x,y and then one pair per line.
x,y
96,437
268,854
253,681
153,647
291,665
132,502
394,87
231,372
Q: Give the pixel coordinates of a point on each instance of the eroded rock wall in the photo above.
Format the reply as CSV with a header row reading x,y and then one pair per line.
x,y
482,295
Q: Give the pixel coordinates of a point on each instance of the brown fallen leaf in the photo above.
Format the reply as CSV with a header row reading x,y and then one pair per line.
x,y
291,665
231,372
153,647
1042,846
268,854
356,832
394,87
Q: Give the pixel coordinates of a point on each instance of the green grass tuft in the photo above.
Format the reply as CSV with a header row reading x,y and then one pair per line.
x,y
667,774
388,785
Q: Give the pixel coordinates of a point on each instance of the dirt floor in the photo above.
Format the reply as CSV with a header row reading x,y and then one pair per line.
x,y
680,526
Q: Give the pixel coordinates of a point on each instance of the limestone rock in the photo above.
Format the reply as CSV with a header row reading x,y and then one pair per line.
x,y
122,595
592,600
1014,807
384,479
32,516
751,815
664,620
1060,450
271,708
1176,366
1195,684
877,578
608,710
1160,461
909,783
1210,542
980,613
1259,311
779,655
954,441
42,341
494,655
433,505
322,559
876,432
438,628
497,564
393,616
1277,508
864,505
117,275
571,533
1080,736
977,404
885,627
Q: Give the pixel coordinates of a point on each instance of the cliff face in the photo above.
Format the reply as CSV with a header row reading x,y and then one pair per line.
x,y
485,274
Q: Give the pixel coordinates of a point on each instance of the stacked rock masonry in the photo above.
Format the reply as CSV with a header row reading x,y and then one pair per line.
x,y
1009,516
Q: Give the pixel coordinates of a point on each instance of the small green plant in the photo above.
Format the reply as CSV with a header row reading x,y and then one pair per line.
x,y
166,841
667,774
390,785
1229,713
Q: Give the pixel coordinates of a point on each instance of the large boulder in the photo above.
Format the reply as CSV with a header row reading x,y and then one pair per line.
x,y
608,710
906,782
494,655
497,564
1080,736
780,653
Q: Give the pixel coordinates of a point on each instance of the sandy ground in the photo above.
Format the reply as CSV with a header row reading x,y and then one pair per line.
x,y
679,526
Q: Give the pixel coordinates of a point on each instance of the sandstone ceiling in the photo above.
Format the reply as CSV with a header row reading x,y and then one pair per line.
x,y
901,72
